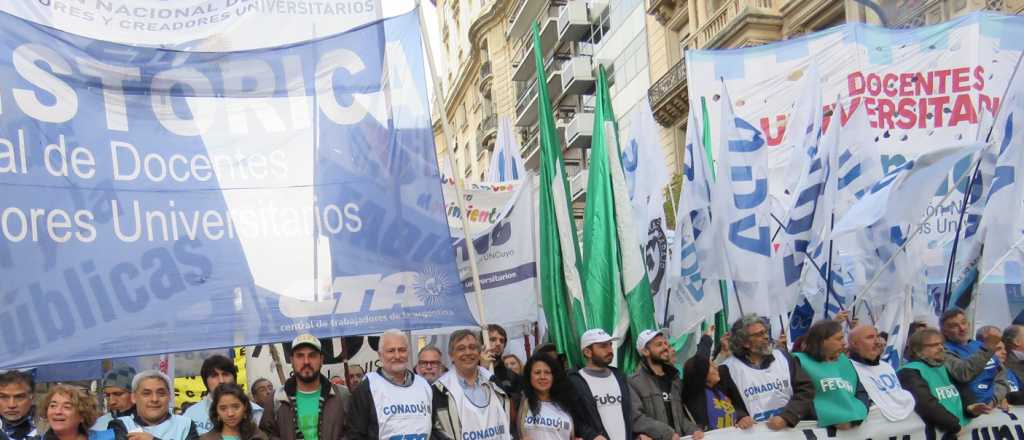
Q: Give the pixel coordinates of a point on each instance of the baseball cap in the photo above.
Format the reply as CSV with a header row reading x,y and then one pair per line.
x,y
645,337
120,377
306,339
594,336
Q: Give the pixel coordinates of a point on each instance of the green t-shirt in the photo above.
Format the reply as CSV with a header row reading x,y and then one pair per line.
x,y
230,437
308,405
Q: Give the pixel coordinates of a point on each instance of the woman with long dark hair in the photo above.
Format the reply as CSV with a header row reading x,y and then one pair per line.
x,y
546,409
839,398
231,415
704,395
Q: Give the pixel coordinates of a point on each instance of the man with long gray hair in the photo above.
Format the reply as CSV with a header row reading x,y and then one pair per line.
x,y
764,381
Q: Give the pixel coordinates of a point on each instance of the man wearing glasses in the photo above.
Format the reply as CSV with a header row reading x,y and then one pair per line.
x,y
429,364
117,389
16,409
764,381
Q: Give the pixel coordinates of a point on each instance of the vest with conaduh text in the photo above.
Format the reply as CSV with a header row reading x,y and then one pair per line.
x,y
765,392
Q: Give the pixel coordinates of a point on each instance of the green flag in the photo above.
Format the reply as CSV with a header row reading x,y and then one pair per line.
x,y
561,290
618,294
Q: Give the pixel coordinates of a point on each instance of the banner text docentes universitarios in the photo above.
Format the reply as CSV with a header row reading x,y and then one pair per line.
x,y
205,199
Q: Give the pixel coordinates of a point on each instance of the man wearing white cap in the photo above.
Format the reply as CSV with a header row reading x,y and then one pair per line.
x,y
308,407
601,393
657,391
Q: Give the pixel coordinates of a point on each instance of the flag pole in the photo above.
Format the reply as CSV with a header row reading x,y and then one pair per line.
x,y
448,141
917,231
967,194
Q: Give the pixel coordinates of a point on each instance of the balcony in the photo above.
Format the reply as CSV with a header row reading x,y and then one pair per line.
x,y
739,23
577,75
526,105
579,131
573,21
523,66
486,78
664,10
669,97
578,184
522,13
531,152
487,131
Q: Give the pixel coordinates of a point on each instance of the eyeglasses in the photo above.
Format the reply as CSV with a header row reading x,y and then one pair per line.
x,y
429,363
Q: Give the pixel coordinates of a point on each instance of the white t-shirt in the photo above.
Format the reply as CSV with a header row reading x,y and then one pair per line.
x,y
402,411
882,384
552,423
765,392
608,397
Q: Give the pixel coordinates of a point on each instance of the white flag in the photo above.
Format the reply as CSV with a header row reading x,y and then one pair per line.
x,y
902,195
691,298
1003,219
643,163
741,248
506,162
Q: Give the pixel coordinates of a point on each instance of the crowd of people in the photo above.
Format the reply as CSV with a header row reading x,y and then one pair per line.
x,y
833,375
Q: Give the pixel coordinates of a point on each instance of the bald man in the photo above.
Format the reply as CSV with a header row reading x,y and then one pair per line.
x,y
393,402
879,378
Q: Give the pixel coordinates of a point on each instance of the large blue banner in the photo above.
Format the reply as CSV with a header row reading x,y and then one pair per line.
x,y
158,201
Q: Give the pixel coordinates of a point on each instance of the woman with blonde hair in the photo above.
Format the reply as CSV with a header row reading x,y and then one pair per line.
x,y
70,411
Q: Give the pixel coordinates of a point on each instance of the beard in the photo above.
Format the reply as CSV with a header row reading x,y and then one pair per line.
x,y
307,375
602,362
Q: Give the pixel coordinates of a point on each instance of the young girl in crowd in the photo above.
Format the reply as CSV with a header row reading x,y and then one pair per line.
x,y
545,412
231,415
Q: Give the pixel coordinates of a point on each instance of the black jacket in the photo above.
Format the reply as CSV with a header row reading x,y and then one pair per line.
x,y
695,373
800,406
363,423
928,407
589,425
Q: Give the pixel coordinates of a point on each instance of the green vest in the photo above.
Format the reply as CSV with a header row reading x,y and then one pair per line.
x,y
835,385
942,388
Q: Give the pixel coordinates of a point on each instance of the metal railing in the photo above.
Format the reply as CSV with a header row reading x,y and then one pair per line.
x,y
668,84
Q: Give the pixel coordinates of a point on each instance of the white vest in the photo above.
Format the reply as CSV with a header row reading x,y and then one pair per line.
x,y
765,392
174,428
551,424
402,411
608,398
490,422
881,383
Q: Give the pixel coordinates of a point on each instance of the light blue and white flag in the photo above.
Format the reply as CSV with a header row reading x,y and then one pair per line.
x,y
902,195
1002,223
643,164
507,161
172,203
739,247
692,299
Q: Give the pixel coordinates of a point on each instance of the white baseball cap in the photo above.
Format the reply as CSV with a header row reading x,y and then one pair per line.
x,y
594,336
645,337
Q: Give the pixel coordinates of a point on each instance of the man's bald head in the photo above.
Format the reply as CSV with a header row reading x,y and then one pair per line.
x,y
865,343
